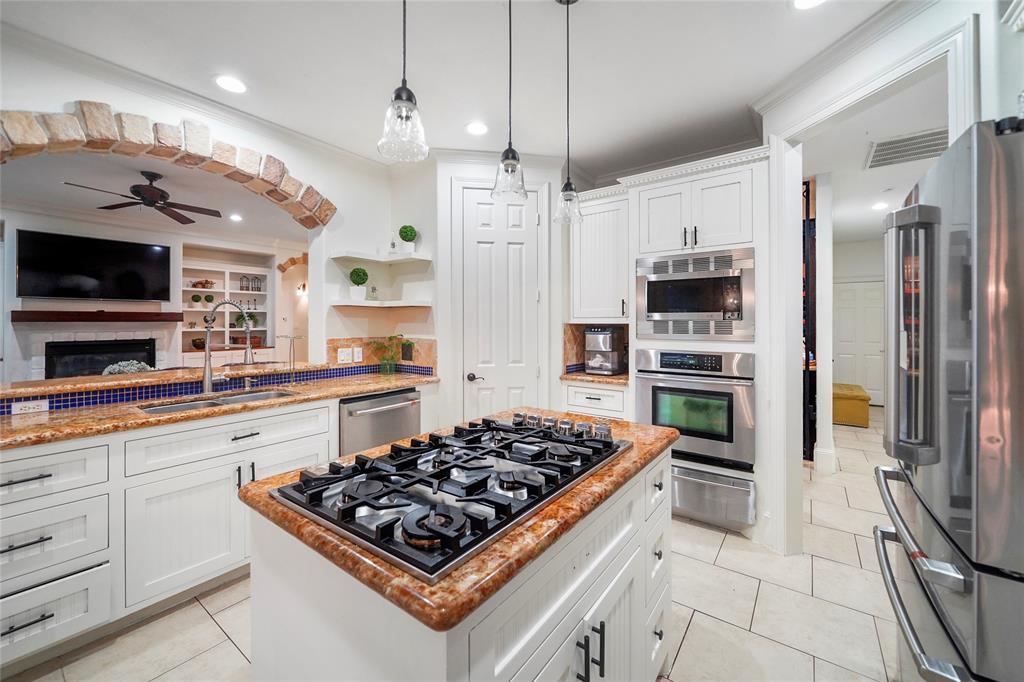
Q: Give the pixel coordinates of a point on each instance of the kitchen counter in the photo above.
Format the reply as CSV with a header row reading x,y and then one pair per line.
x,y
584,378
444,605
45,427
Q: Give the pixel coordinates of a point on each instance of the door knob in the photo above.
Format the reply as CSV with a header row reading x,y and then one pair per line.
x,y
473,377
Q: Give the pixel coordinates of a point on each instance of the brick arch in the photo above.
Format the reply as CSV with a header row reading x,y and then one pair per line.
x,y
94,127
287,265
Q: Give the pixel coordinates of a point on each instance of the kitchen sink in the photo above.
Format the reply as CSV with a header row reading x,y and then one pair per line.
x,y
252,396
181,407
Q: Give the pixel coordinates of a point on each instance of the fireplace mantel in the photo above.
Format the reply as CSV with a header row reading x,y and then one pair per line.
x,y
92,316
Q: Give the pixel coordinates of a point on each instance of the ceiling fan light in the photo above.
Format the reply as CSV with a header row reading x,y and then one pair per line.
x,y
568,210
404,138
508,182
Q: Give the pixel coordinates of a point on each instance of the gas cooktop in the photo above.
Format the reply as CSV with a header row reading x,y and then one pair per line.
x,y
429,506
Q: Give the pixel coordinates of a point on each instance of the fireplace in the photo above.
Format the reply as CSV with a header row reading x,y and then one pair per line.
x,y
81,358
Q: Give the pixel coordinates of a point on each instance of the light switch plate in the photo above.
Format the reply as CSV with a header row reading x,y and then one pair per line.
x,y
344,356
30,406
357,354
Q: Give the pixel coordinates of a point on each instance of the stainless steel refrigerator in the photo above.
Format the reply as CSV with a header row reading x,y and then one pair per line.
x,y
953,559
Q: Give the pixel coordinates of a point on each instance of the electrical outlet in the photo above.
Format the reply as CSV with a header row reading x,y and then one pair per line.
x,y
357,354
30,406
344,356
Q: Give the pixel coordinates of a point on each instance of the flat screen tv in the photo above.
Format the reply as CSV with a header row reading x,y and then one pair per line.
x,y
68,266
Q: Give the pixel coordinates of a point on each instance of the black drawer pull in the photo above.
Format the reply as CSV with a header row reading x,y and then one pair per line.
x,y
15,628
252,471
590,397
585,645
248,435
14,481
11,548
238,476
659,485
658,555
660,634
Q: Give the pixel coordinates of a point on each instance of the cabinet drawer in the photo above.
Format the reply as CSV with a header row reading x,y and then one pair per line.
x,y
23,479
599,398
44,615
194,444
657,485
53,535
658,552
656,635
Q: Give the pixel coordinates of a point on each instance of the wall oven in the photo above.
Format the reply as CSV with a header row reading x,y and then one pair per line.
x,y
696,296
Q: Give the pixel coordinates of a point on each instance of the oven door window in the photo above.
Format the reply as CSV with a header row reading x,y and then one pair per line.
x,y
694,295
701,414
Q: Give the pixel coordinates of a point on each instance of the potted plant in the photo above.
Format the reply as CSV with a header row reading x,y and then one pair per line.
x,y
407,234
359,278
196,300
407,350
209,299
388,351
240,319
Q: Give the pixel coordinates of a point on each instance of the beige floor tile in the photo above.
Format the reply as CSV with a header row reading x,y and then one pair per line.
x,y
715,650
44,672
830,672
843,518
149,650
888,640
226,595
237,623
743,556
223,663
716,591
835,633
847,440
681,616
856,464
868,556
846,479
830,543
853,587
805,512
826,492
863,498
870,437
696,540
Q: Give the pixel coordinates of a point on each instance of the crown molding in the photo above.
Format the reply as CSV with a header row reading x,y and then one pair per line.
x,y
76,61
870,31
1014,16
604,192
722,161
609,178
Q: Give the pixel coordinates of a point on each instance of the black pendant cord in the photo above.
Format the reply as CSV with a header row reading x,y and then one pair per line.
x,y
509,73
403,44
567,173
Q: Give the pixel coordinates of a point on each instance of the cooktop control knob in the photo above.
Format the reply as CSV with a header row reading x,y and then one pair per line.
x,y
518,418
603,432
532,420
585,429
565,427
548,422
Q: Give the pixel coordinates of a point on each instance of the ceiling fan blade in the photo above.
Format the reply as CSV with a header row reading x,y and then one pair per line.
x,y
96,189
126,204
192,209
174,215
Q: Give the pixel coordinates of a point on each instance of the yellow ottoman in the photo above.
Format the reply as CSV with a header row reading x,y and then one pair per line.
x,y
850,405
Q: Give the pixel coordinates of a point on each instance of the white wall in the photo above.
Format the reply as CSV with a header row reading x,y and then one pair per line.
x,y
859,261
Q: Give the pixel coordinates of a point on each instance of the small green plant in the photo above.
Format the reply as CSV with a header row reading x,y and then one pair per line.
x,y
240,319
407,233
196,298
388,351
358,276
208,298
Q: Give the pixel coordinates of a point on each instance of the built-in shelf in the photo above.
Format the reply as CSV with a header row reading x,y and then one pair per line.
x,y
242,291
382,304
92,316
209,291
386,258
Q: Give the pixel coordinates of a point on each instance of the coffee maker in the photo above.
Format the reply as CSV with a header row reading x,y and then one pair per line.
x,y
605,350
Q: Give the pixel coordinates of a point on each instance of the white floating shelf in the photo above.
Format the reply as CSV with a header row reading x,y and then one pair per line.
x,y
386,258
382,304
242,291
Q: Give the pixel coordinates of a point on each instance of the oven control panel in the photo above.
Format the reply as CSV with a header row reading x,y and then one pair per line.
x,y
694,362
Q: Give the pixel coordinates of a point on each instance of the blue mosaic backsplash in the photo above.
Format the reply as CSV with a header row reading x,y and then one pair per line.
x,y
575,367
69,401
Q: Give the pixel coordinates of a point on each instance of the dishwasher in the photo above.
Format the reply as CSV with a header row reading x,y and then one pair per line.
x,y
368,421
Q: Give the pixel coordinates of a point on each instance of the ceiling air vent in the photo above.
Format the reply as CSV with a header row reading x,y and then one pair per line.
x,y
926,144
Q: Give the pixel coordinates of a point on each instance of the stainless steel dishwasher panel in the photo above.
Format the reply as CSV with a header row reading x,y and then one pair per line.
x,y
370,421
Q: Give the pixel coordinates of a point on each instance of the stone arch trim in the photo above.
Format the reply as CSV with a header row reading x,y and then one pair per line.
x,y
96,128
285,266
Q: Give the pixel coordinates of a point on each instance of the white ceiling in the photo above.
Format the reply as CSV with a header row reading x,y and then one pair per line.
x,y
918,103
653,81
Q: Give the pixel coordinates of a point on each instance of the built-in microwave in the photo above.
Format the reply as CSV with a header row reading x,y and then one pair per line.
x,y
696,296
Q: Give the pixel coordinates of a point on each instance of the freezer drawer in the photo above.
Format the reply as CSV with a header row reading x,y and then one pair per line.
x,y
724,501
367,422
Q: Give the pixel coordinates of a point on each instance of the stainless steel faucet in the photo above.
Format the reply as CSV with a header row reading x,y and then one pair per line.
x,y
210,320
291,352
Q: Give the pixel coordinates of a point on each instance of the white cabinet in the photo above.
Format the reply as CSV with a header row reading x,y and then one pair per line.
x,y
613,625
598,400
722,210
569,659
666,214
600,262
182,528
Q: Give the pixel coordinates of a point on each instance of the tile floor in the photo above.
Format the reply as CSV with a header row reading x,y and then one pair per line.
x,y
740,611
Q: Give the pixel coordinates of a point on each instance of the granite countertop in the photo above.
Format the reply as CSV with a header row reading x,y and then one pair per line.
x,y
445,604
45,427
584,378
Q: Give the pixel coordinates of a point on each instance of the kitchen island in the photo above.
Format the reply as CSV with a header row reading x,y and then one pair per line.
x,y
579,586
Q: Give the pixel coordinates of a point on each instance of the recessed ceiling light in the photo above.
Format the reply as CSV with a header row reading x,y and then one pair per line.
x,y
806,4
880,206
476,128
235,218
231,84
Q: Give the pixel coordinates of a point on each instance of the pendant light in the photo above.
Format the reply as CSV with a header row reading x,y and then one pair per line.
x,y
508,183
403,138
568,211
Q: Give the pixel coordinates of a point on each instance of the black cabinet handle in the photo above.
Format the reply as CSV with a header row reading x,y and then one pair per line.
x,y
11,548
685,232
25,480
660,634
590,397
659,486
599,661
238,476
585,645
695,235
248,435
252,471
15,628
623,307
658,555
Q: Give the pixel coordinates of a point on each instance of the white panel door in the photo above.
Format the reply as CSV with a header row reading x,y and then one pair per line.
x,y
723,210
858,336
567,661
501,285
600,262
613,624
665,218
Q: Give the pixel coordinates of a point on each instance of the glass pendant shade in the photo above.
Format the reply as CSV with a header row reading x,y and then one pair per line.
x,y
508,183
404,138
568,211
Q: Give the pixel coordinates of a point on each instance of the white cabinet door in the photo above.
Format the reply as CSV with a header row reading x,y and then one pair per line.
x,y
568,660
296,454
182,529
613,625
600,262
722,210
666,216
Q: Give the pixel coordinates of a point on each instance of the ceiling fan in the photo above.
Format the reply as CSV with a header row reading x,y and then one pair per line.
x,y
153,197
